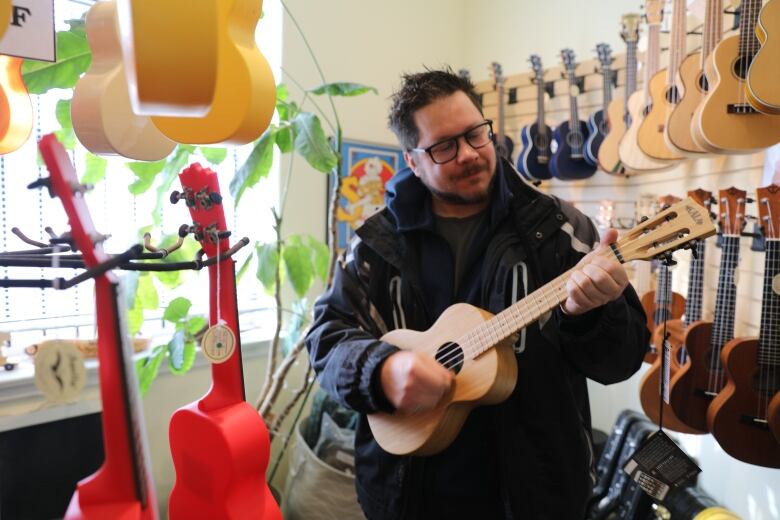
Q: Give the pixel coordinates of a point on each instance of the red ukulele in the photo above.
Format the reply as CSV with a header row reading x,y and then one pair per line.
x,y
220,445
739,416
122,488
696,384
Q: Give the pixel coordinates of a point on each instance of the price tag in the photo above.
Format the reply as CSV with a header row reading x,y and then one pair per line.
x,y
659,464
31,33
59,371
218,344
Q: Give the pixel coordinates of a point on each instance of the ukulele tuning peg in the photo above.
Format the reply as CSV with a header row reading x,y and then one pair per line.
x,y
42,182
175,196
215,197
750,200
644,218
185,230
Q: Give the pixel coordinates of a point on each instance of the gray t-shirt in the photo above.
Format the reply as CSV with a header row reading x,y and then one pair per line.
x,y
459,234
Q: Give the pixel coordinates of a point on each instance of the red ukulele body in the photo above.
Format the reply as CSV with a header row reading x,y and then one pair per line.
x,y
122,488
220,445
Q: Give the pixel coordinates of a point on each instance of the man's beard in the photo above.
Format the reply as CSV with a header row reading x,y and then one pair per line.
x,y
456,198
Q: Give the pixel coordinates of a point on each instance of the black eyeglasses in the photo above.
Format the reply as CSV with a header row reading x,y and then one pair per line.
x,y
445,151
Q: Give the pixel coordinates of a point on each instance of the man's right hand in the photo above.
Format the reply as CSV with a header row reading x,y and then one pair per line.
x,y
414,382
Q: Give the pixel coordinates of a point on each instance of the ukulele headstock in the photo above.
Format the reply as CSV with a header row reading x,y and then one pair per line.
x,y
201,194
654,11
630,27
569,61
604,53
497,73
668,230
702,198
464,74
536,66
769,211
731,212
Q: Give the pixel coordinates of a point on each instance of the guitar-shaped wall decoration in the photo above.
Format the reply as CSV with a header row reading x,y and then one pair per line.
x,y
665,93
726,121
694,84
739,416
697,383
477,346
219,444
617,110
763,81
504,144
568,160
170,54
16,111
245,92
650,386
103,116
122,487
631,154
534,157
597,122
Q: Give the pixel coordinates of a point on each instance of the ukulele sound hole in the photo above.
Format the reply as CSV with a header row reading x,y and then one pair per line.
x,y
741,67
450,356
541,141
704,85
673,95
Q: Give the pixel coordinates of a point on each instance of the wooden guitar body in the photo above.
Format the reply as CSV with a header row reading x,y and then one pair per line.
x,y
220,480
245,92
724,132
763,84
609,158
487,379
651,132
16,112
678,133
731,416
597,128
675,311
631,155
649,388
535,146
102,114
689,386
562,165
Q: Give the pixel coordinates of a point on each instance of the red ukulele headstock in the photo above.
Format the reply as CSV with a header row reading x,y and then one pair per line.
x,y
731,217
769,210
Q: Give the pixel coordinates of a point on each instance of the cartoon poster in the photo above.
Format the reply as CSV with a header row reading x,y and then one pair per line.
x,y
365,170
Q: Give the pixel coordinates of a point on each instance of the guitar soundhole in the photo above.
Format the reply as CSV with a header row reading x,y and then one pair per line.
x,y
647,110
673,95
541,142
450,356
603,127
574,139
741,67
704,85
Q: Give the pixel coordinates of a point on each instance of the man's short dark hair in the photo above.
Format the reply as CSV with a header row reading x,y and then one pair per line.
x,y
419,90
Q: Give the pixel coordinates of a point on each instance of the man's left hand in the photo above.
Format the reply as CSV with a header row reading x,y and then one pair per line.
x,y
597,279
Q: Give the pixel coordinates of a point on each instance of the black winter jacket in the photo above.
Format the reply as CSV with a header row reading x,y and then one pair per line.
x,y
529,457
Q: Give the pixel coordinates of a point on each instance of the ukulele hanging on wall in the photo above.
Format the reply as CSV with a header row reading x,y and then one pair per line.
x,y
763,81
16,112
219,444
504,144
597,123
534,157
123,486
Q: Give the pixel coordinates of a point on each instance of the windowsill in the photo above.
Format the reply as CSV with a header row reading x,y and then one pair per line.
x,y
22,405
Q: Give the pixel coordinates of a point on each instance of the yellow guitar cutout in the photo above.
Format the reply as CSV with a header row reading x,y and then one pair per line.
x,y
245,95
16,112
170,53
102,112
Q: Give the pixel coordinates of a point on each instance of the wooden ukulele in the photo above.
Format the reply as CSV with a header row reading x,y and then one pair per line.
x,y
597,122
245,93
219,444
617,110
632,157
102,114
664,93
170,50
477,346
534,157
696,384
738,417
726,121
649,388
694,83
568,161
504,144
16,112
763,81
122,487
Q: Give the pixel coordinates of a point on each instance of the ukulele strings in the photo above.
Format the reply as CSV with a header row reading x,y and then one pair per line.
x,y
218,267
766,390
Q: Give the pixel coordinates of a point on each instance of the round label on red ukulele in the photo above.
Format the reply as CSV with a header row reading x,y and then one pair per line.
x,y
218,343
59,371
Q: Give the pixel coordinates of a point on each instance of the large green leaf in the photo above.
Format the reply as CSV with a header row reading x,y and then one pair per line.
x,y
177,309
267,264
342,89
147,293
130,287
193,325
135,318
73,59
320,257
284,139
282,92
62,113
297,262
181,353
94,169
148,367
145,173
311,143
296,325
213,155
257,165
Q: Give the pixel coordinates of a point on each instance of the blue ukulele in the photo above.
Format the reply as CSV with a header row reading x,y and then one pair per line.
x,y
534,157
597,123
